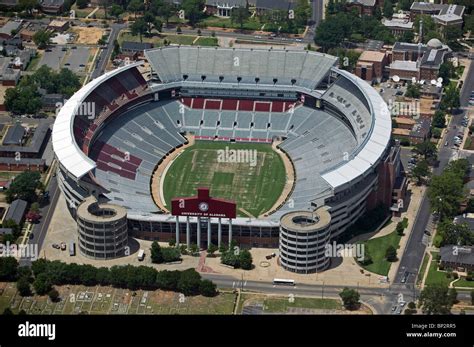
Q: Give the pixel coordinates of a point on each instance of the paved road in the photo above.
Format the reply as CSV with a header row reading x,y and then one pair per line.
x,y
381,299
105,54
39,230
415,249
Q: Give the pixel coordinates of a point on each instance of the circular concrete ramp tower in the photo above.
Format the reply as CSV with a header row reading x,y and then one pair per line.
x,y
303,239
102,228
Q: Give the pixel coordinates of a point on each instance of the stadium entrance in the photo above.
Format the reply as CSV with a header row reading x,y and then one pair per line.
x,y
204,207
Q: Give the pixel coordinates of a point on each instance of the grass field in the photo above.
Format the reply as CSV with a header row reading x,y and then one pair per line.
x,y
158,41
274,304
434,276
377,248
77,299
254,188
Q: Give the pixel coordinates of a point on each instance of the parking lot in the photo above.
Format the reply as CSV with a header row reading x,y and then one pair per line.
x,y
53,57
77,58
390,91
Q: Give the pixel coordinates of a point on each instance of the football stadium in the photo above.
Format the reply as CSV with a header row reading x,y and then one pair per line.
x,y
270,148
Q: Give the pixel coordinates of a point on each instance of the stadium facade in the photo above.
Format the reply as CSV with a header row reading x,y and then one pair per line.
x,y
333,126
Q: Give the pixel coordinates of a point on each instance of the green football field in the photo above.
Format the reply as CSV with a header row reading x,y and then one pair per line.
x,y
252,175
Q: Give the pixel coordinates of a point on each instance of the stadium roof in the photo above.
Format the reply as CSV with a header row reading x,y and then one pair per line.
x,y
65,147
375,143
272,67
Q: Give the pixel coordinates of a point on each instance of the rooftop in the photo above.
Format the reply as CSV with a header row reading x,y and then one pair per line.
x,y
16,211
14,135
457,254
405,65
9,27
372,56
398,23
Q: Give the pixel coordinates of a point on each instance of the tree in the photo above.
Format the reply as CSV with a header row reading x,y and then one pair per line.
x,y
53,295
22,98
405,4
450,99
81,3
170,254
350,298
211,249
434,300
455,234
400,228
34,207
347,57
24,186
408,36
446,72
42,284
23,286
387,9
302,13
207,288
10,223
193,10
42,38
165,10
446,191
413,91
156,253
240,15
391,254
439,119
135,6
116,11
139,27
426,149
421,171
453,296
152,22
452,33
245,259
168,280
8,268
116,50
189,282
28,5
230,258
332,31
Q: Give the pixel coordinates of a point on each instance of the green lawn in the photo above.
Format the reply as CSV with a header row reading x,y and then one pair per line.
x,y
435,276
463,283
376,248
109,300
424,266
272,304
158,40
206,41
255,185
34,62
250,24
281,305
